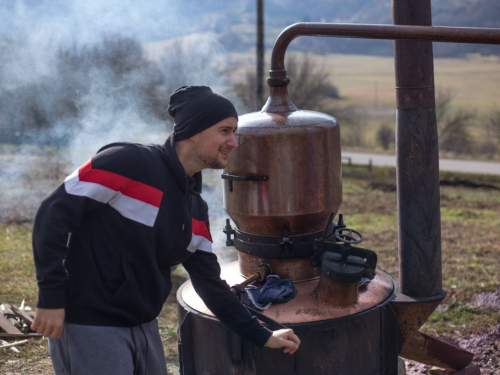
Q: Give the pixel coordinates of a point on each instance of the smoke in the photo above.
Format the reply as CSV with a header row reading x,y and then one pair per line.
x,y
212,193
76,75
59,55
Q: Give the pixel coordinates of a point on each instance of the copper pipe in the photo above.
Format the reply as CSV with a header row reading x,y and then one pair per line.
x,y
260,53
394,32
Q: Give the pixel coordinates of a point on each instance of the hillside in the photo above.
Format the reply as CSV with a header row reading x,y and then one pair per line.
x,y
235,22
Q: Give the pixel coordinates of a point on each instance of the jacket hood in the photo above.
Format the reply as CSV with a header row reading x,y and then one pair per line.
x,y
187,183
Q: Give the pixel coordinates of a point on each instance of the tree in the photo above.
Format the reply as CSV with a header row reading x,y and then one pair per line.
x,y
493,126
353,125
453,126
385,136
112,74
309,87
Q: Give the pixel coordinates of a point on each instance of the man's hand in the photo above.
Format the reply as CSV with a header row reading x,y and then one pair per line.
x,y
49,322
284,338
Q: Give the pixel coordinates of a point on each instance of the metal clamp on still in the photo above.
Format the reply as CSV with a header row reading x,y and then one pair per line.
x,y
343,268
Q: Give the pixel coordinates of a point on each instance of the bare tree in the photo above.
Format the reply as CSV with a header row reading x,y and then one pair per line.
x,y
385,136
493,126
453,126
115,65
309,87
353,125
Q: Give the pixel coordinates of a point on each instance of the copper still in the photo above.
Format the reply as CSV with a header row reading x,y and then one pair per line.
x,y
299,155
280,184
282,189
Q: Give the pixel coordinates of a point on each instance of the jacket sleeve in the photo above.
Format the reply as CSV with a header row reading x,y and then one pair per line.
x,y
61,213
204,271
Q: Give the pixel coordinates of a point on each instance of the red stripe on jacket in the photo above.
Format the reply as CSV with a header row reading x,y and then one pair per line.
x,y
127,186
200,228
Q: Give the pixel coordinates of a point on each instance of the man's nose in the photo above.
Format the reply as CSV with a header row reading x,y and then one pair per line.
x,y
233,142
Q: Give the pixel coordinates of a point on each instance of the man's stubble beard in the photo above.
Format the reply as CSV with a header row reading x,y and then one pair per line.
x,y
212,162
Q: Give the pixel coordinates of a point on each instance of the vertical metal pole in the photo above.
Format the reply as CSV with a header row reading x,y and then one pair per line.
x,y
417,152
260,55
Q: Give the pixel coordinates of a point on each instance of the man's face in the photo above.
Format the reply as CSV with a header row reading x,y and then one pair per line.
x,y
213,145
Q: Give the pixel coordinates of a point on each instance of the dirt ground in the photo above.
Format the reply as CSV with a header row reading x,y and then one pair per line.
x,y
483,345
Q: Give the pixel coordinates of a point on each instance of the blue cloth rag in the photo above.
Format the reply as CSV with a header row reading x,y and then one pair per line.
x,y
274,290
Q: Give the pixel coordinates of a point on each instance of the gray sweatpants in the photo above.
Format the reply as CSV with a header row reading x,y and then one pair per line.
x,y
95,350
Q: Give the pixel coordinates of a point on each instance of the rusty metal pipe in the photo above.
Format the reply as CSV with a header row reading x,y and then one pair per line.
x,y
417,149
260,53
435,352
391,32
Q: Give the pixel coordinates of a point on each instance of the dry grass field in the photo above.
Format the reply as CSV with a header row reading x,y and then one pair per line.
x,y
368,81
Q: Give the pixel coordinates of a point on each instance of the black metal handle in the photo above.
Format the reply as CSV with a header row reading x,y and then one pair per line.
x,y
231,178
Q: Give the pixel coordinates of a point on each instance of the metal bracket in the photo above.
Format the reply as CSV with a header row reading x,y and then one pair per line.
x,y
285,241
341,245
228,230
278,78
231,178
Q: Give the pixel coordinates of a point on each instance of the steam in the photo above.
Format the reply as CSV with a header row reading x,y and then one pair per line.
x,y
76,75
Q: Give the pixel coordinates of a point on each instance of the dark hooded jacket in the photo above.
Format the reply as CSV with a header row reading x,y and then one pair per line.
x,y
104,241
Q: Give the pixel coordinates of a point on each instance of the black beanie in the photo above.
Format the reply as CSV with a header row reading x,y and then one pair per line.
x,y
196,108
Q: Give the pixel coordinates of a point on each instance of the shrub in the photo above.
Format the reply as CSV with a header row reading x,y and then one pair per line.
x,y
385,136
453,126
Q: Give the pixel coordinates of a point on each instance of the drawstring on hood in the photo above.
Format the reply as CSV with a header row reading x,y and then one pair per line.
x,y
189,185
185,201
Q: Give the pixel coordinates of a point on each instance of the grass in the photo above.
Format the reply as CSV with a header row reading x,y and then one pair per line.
x,y
461,318
17,268
470,251
470,241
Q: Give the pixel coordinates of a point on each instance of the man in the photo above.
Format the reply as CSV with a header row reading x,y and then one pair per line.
x,y
104,243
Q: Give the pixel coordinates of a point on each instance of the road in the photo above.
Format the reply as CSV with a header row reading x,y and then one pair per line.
x,y
465,166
